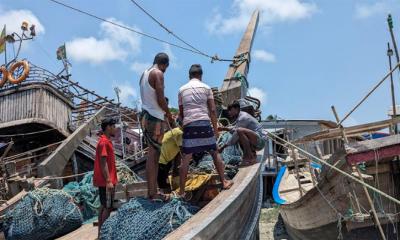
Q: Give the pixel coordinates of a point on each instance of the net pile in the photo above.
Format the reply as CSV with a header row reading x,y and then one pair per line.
x,y
42,214
141,219
231,155
86,195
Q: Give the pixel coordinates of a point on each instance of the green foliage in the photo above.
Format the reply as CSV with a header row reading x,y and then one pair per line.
x,y
271,117
173,110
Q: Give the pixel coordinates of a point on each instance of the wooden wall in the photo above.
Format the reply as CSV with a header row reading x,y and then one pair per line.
x,y
35,102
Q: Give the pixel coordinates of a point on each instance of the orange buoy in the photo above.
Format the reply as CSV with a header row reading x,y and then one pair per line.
x,y
4,77
24,75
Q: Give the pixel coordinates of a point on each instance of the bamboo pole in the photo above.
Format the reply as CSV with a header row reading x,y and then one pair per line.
x,y
394,114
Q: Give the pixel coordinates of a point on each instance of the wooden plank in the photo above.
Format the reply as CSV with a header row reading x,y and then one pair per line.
x,y
10,203
86,232
367,145
350,131
382,168
55,163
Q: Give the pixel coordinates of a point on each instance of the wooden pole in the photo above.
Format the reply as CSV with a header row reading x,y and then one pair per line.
x,y
390,24
371,204
394,114
233,89
296,167
340,125
369,93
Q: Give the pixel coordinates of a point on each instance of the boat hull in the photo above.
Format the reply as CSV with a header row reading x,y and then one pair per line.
x,y
316,214
233,214
331,232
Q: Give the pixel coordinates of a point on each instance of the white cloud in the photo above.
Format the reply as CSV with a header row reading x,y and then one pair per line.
x,y
113,44
128,94
13,19
368,10
139,67
271,11
259,94
263,55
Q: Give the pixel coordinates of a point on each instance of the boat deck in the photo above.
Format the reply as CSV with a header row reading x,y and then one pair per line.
x,y
86,231
289,190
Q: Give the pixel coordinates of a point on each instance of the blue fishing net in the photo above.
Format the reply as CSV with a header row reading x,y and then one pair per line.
x,y
231,155
42,214
141,219
86,195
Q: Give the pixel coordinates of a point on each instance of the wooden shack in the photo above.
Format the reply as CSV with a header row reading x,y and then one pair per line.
x,y
35,104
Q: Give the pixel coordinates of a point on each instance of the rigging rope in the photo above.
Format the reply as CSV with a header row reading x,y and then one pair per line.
x,y
191,49
272,136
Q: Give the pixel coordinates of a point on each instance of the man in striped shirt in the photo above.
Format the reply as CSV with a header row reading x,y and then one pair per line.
x,y
200,129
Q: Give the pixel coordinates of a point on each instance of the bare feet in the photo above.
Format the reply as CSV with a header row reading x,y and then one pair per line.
x,y
247,162
227,184
160,197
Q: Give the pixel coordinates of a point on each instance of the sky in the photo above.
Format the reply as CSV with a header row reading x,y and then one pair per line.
x,y
307,55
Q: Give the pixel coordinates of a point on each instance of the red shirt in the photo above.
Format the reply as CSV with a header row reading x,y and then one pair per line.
x,y
104,148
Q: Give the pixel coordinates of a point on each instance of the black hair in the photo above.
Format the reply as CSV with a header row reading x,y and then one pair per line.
x,y
167,100
107,122
235,105
195,70
161,58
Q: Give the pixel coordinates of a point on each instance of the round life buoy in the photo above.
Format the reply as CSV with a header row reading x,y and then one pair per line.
x,y
24,74
4,77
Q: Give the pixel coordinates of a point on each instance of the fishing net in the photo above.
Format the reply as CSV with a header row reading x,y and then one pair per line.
x,y
42,214
86,195
126,175
141,219
231,155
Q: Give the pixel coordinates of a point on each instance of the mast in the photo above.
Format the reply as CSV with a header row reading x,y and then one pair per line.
x,y
235,84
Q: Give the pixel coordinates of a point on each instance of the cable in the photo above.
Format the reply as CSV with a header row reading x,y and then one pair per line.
x,y
176,36
215,58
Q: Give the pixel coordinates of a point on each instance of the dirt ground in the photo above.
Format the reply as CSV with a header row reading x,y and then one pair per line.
x,y
271,224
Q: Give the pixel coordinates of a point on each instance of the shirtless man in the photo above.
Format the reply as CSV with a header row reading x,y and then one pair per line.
x,y
154,111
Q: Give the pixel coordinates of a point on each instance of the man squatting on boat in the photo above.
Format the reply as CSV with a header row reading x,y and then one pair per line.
x,y
105,171
247,131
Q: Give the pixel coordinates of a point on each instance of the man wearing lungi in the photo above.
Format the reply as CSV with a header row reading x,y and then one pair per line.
x,y
198,112
155,110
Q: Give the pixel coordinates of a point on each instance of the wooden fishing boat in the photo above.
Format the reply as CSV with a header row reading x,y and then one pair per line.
x,y
231,214
320,203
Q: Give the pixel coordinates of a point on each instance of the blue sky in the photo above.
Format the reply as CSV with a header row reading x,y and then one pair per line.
x,y
307,55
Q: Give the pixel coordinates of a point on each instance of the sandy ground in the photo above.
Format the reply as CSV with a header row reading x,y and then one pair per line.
x,y
271,224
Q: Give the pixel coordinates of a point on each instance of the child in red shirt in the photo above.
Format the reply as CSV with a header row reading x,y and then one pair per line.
x,y
105,172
